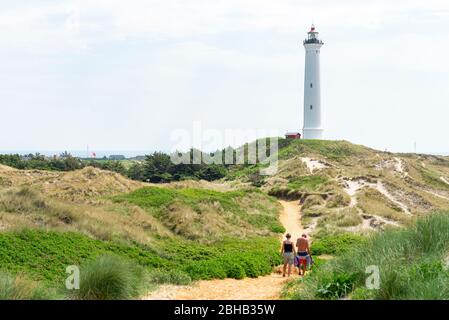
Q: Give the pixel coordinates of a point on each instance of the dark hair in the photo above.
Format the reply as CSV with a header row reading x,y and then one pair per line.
x,y
288,235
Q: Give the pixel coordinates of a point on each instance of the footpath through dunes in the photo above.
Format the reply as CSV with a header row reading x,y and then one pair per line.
x,y
262,288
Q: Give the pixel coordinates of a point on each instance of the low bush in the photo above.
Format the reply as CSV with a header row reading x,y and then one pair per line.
x,y
109,278
209,269
335,286
336,244
161,276
307,183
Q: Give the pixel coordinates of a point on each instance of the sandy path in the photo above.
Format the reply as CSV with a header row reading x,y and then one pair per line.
x,y
290,218
262,288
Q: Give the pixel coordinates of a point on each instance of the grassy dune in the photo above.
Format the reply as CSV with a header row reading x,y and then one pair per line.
x,y
189,230
172,234
199,213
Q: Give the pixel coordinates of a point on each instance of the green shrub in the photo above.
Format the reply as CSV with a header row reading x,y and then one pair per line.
x,y
206,269
109,278
362,293
234,269
335,244
160,276
307,183
277,229
335,286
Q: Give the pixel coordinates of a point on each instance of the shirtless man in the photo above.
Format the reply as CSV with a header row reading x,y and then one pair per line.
x,y
302,244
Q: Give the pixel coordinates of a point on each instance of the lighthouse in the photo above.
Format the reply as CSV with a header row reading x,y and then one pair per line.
x,y
312,91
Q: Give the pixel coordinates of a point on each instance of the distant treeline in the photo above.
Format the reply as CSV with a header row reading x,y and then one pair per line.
x,y
65,162
157,167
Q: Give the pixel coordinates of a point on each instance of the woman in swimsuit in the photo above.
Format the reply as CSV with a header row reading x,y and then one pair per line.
x,y
288,254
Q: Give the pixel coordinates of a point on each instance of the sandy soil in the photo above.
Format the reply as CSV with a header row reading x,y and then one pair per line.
x,y
290,218
399,166
444,180
262,288
313,165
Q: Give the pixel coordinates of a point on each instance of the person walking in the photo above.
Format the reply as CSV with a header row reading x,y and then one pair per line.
x,y
302,244
288,254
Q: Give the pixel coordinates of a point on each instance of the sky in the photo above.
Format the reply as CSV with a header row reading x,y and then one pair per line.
x,y
137,74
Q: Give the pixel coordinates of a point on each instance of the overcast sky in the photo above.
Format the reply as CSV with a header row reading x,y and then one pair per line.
x,y
124,75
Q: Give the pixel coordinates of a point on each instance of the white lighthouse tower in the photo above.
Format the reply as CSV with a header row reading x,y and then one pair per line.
x,y
312,91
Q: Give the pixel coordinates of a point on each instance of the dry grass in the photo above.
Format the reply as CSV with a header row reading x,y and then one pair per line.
x,y
28,208
77,201
312,201
84,185
371,201
348,217
19,287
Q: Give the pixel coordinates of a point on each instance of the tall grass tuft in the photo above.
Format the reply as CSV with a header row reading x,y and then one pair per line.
x,y
18,287
110,278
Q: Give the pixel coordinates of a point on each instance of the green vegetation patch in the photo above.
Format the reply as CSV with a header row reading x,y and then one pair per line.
x,y
249,205
433,178
333,150
44,256
157,198
307,183
336,244
412,264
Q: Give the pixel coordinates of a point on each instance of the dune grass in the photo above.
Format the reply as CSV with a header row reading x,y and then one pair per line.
x,y
307,183
333,150
19,287
372,201
109,277
208,213
412,262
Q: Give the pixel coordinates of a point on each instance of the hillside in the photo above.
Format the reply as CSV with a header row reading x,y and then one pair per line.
x,y
192,230
49,220
346,187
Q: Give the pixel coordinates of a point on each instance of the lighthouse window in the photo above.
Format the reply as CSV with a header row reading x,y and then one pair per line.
x,y
311,107
311,85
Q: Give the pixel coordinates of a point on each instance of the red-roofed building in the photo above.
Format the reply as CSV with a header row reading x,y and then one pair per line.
x,y
292,135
